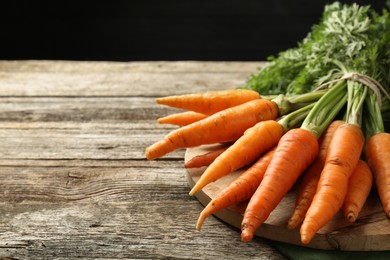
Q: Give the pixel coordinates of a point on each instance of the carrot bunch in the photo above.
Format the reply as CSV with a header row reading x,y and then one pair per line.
x,y
332,138
277,150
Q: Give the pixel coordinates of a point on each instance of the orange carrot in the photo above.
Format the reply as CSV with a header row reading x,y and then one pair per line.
x,y
359,186
205,159
295,151
241,189
342,157
224,126
255,141
182,118
378,158
210,102
310,178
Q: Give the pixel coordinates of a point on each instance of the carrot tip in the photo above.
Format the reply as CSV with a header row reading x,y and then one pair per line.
x,y
351,217
148,155
305,238
192,192
195,189
199,225
246,235
201,219
292,224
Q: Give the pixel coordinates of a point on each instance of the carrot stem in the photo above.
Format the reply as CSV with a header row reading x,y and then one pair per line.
x,y
293,119
326,109
307,97
356,95
373,122
288,104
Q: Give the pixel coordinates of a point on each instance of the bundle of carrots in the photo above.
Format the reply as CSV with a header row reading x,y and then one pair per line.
x,y
330,133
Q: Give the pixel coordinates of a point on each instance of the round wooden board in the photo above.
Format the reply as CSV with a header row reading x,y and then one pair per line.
x,y
371,231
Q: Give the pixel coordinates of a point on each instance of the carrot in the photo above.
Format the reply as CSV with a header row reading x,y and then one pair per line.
x,y
182,118
377,152
255,141
241,189
224,126
210,102
359,186
205,159
310,178
295,151
342,157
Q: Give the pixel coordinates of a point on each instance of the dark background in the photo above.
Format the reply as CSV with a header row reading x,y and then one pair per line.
x,y
133,30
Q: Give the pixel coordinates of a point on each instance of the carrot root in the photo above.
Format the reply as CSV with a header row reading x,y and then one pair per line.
x,y
310,179
295,151
351,216
182,118
205,159
378,158
224,126
342,157
210,102
242,188
255,141
305,196
359,187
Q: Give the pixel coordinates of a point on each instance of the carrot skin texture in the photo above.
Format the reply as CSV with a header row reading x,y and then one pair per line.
x,y
378,158
305,195
359,187
342,157
205,159
311,176
241,189
210,102
255,142
224,126
182,118
295,151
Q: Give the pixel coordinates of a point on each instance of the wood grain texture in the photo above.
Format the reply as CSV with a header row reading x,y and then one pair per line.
x,y
146,79
74,180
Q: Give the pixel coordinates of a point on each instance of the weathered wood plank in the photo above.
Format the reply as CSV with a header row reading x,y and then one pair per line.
x,y
84,128
75,182
84,142
146,231
81,109
69,212
58,184
49,78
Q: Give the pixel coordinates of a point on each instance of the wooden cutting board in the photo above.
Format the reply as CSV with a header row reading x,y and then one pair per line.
x,y
371,231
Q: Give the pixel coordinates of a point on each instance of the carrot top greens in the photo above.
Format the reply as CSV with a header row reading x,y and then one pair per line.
x,y
355,36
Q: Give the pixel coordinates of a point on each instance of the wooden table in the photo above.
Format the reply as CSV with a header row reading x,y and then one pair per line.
x,y
74,179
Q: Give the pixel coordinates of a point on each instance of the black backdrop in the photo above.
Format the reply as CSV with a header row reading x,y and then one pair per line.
x,y
134,30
